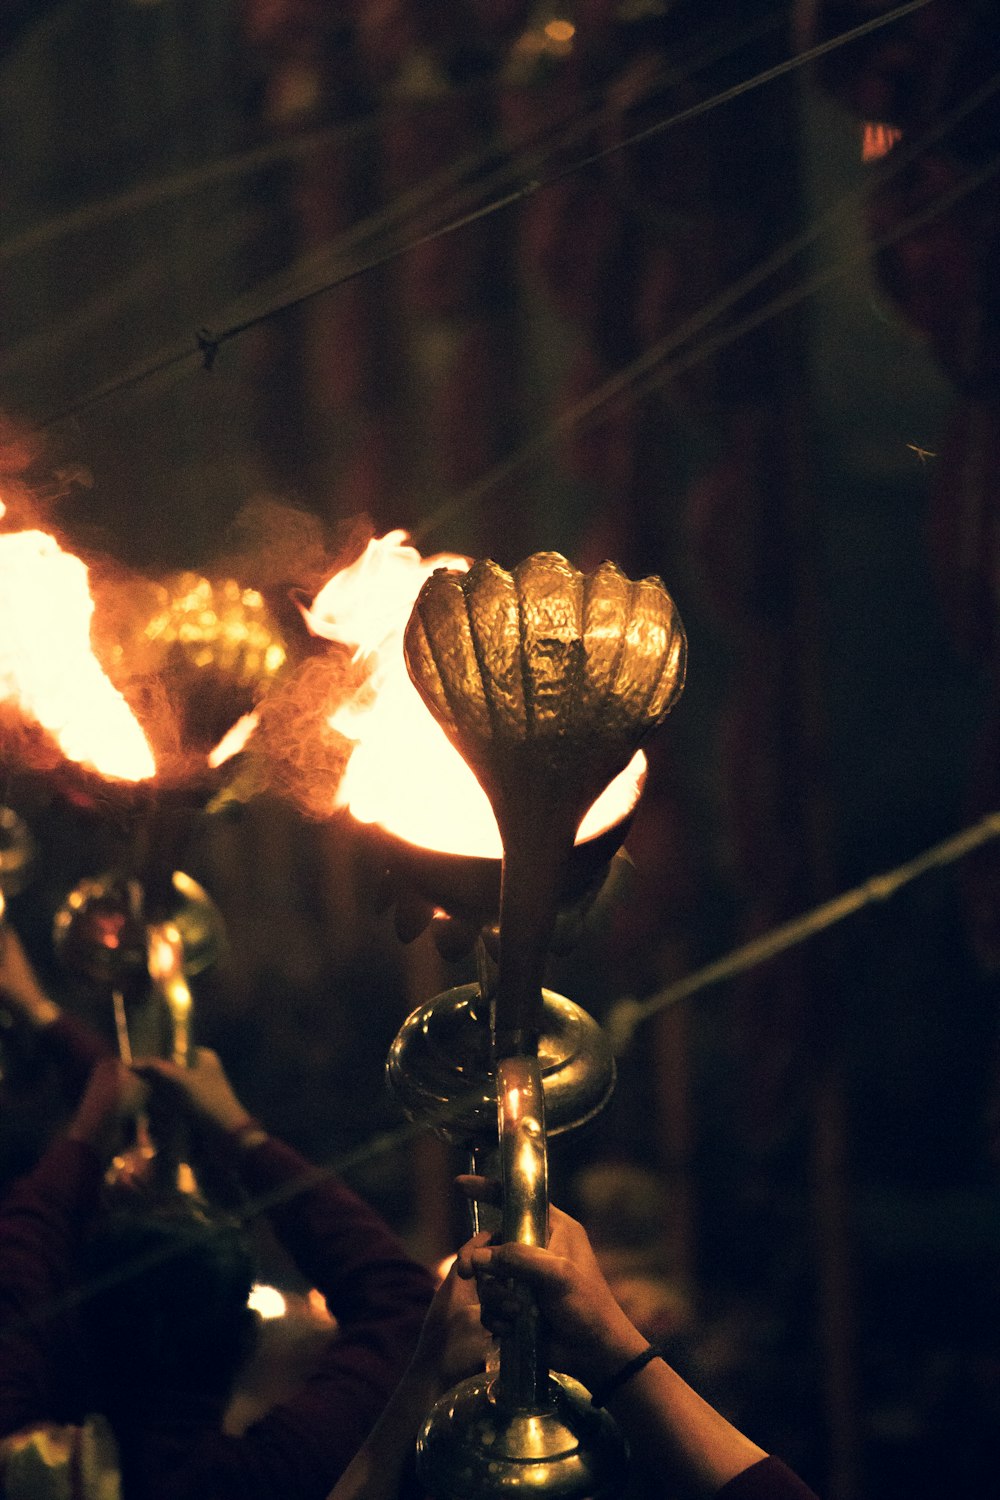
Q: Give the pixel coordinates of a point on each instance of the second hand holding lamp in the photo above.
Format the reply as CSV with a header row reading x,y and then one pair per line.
x,y
546,680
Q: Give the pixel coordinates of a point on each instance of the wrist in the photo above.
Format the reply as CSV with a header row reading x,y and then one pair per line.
x,y
426,1380
603,1391
616,1349
423,1375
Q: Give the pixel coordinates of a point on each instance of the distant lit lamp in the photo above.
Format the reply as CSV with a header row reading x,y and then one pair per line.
x,y
106,932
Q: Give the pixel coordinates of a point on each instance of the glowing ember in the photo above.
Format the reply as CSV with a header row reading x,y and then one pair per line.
x,y
47,668
403,773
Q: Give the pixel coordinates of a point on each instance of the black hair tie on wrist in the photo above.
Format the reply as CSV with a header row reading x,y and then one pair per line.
x,y
607,1388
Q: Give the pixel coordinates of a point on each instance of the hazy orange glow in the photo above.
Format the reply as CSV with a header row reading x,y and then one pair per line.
x,y
877,140
404,774
561,32
47,668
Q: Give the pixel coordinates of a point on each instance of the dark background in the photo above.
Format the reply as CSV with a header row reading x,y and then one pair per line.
x,y
798,436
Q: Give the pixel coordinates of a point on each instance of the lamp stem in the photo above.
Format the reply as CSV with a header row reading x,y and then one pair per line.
x,y
537,844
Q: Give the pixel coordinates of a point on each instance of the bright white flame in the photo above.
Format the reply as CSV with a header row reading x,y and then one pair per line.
x,y
404,774
47,668
267,1301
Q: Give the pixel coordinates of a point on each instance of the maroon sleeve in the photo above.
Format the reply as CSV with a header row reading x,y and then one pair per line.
x,y
378,1295
769,1479
76,1050
40,1222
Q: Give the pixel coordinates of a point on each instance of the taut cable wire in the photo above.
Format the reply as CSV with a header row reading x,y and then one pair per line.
x,y
206,343
794,295
652,367
628,1013
624,1018
298,145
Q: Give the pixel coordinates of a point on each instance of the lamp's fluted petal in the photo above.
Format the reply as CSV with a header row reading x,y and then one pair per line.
x,y
650,672
550,595
546,671
546,681
441,658
606,604
492,607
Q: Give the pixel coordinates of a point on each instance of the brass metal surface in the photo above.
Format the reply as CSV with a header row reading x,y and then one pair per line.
x,y
566,1449
522,1384
100,930
545,673
442,1070
207,650
546,680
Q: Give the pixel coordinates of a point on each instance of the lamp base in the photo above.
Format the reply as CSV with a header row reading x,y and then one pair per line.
x,y
566,1450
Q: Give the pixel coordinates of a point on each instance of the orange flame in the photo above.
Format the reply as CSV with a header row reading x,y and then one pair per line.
x,y
47,668
877,140
403,773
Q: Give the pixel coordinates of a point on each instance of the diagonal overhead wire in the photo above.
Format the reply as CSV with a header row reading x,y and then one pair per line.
x,y
557,134
655,365
206,344
627,1014
622,1022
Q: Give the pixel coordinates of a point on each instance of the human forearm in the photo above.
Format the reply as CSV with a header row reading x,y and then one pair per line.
x,y
36,1010
74,1046
108,1109
676,1433
452,1345
41,1219
338,1241
20,989
380,1466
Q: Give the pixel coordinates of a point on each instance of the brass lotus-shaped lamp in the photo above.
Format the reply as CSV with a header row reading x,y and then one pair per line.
x,y
197,655
546,680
